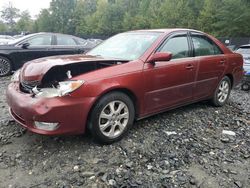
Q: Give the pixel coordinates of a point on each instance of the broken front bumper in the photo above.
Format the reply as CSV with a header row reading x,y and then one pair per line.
x,y
69,112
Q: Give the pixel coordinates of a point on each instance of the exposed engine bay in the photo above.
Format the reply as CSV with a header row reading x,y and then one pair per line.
x,y
60,73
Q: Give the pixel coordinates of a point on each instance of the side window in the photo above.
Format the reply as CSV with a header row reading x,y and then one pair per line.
x,y
178,46
204,46
65,40
42,40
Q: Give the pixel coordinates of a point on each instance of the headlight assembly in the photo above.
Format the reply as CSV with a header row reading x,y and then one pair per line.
x,y
63,88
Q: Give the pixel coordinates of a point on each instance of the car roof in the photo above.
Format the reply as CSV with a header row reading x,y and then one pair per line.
x,y
24,37
40,33
167,30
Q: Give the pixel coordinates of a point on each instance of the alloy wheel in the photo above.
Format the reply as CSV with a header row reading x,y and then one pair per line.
x,y
5,67
223,91
114,119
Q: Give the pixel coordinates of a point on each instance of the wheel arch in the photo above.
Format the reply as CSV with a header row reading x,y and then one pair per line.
x,y
10,59
126,91
230,76
6,56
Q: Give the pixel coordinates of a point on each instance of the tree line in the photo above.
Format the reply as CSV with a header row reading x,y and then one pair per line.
x,y
228,18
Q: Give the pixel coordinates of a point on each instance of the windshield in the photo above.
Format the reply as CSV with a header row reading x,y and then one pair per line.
x,y
128,46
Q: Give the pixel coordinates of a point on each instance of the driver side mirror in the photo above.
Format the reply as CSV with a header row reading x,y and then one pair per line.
x,y
25,45
160,56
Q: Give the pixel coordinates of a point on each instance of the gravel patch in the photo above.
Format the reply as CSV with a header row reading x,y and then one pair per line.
x,y
193,146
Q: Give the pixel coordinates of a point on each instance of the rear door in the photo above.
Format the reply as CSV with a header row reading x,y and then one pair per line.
x,y
64,45
170,83
211,64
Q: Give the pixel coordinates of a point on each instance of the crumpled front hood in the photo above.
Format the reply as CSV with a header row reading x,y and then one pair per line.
x,y
36,69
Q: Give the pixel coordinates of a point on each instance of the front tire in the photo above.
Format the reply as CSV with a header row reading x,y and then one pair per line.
x,y
5,66
222,92
111,117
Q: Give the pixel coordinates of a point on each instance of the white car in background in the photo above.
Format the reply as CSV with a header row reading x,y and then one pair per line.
x,y
244,50
4,39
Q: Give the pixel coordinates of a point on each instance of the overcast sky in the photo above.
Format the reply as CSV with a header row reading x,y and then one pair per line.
x,y
33,6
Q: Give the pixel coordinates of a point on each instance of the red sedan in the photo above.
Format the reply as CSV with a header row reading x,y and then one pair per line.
x,y
130,76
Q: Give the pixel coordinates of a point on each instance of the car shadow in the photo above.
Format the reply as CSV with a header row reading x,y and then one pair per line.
x,y
87,138
170,113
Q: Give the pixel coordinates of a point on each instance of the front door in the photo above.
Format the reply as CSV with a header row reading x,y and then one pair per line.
x,y
169,83
38,47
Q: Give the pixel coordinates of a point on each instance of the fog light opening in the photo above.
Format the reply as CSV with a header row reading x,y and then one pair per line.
x,y
46,126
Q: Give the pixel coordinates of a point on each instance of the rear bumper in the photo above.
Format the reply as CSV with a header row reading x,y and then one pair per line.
x,y
71,113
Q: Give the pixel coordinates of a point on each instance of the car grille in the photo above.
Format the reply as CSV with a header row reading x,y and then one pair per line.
x,y
27,86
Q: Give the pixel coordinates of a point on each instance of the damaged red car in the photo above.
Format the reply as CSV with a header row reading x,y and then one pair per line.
x,y
130,76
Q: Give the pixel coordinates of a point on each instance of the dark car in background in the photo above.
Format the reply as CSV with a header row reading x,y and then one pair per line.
x,y
14,54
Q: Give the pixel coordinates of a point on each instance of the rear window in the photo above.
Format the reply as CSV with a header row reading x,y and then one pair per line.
x,y
204,46
65,41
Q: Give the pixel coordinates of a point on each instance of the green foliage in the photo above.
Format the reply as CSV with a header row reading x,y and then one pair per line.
x,y
107,17
3,27
25,23
44,22
234,19
62,12
9,14
226,18
84,8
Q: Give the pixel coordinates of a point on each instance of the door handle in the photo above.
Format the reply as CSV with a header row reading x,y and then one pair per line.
x,y
80,51
190,67
222,62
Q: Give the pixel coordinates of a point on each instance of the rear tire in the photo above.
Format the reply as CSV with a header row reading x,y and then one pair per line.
x,y
111,117
222,92
5,66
